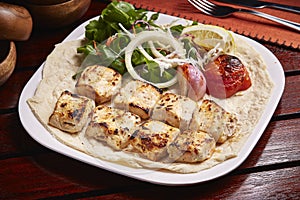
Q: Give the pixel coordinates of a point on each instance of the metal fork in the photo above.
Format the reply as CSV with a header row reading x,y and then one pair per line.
x,y
212,9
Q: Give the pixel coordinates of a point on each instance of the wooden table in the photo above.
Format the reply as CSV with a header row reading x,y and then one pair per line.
x,y
30,171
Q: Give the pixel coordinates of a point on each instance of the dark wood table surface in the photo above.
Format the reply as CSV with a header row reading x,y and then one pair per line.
x,y
30,171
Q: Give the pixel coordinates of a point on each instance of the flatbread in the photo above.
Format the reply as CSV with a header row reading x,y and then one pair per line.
x,y
59,67
248,105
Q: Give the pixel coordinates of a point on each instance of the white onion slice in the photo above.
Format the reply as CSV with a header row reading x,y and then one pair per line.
x,y
153,36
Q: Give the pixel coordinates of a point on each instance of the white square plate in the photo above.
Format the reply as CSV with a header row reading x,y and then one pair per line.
x,y
42,136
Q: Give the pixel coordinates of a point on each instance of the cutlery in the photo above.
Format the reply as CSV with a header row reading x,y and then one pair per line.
x,y
262,4
212,9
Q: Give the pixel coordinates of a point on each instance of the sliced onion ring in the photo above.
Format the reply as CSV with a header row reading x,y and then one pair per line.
x,y
146,36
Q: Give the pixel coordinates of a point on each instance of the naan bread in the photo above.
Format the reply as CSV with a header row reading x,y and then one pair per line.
x,y
248,106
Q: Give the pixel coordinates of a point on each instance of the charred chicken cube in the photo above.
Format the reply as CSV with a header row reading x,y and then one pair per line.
x,y
99,83
192,146
152,138
71,112
213,119
137,97
113,126
175,110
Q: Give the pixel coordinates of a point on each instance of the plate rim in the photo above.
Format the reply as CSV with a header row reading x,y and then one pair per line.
x,y
27,118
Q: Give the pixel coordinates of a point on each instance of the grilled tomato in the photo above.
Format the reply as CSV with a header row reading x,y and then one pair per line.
x,y
225,76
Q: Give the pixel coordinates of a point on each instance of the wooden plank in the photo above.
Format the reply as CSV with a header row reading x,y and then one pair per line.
x,y
277,184
53,175
57,176
289,58
14,140
12,89
278,144
290,102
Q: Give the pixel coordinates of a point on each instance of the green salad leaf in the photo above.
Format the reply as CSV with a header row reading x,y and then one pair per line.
x,y
109,20
106,40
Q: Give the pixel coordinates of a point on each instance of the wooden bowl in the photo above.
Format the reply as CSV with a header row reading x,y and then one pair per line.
x,y
45,2
8,58
15,22
57,15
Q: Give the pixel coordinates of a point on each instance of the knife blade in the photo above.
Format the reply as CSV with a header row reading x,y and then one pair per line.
x,y
262,4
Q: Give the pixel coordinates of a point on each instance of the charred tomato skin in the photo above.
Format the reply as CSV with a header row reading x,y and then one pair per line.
x,y
225,76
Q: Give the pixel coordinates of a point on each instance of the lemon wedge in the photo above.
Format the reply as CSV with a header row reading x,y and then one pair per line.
x,y
208,36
